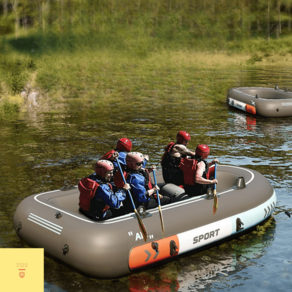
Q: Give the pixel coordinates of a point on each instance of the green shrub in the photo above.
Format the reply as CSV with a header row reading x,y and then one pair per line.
x,y
254,58
6,24
8,111
15,73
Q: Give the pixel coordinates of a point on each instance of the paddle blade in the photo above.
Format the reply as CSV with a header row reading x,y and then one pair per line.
x,y
215,203
161,220
141,226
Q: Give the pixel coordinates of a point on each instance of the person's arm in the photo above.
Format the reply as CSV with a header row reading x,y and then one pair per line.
x,y
153,190
138,189
111,198
182,150
213,162
122,158
199,175
151,168
111,155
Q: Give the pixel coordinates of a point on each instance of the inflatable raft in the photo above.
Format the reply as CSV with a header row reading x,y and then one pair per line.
x,y
267,102
115,247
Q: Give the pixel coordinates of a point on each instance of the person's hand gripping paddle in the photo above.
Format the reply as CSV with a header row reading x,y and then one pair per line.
x,y
141,224
215,202
159,205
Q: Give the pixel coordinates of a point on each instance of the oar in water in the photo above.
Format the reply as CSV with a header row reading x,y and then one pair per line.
x,y
215,202
141,224
159,205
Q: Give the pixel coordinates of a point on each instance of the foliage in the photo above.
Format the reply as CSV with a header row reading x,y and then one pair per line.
x,y
8,110
254,58
15,72
109,50
166,19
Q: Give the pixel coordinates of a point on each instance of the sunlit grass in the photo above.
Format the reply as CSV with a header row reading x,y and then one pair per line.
x,y
10,107
113,76
100,73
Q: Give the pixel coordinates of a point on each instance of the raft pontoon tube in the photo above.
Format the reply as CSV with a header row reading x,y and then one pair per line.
x,y
115,247
267,102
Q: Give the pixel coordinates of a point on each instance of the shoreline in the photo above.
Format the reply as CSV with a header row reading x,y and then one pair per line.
x,y
111,76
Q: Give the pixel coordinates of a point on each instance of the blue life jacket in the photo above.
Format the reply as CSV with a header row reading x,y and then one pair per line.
x,y
107,191
139,186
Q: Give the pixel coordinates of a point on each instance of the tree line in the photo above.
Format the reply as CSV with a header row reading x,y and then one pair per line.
x,y
231,19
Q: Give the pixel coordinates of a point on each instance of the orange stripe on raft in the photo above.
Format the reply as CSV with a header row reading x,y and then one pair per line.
x,y
250,109
144,255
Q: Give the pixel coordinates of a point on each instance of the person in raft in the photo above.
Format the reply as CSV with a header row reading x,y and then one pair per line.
x,y
142,191
99,198
198,173
172,156
123,147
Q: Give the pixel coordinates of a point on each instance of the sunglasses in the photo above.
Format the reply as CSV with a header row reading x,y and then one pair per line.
x,y
139,164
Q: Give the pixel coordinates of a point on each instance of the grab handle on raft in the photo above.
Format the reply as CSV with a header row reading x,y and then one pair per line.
x,y
159,205
215,202
141,224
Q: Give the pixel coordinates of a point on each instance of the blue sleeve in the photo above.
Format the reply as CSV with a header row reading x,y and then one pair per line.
x,y
144,163
138,189
122,160
111,198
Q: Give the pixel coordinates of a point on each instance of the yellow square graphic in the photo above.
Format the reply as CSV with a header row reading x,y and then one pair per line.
x,y
22,269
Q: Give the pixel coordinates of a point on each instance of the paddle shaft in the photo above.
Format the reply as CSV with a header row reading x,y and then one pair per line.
x,y
140,222
158,199
215,202
159,204
215,176
129,193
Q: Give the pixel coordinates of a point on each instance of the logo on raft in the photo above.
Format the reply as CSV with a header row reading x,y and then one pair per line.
x,y
206,236
139,235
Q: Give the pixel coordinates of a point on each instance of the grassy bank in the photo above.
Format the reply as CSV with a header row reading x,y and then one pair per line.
x,y
10,107
97,71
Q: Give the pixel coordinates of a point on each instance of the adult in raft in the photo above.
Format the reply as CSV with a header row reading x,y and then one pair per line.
x,y
172,156
123,147
142,191
99,198
198,173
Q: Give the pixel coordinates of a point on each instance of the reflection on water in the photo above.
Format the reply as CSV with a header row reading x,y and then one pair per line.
x,y
220,264
245,122
44,150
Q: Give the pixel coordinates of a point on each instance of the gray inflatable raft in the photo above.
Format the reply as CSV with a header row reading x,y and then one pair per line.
x,y
115,247
267,102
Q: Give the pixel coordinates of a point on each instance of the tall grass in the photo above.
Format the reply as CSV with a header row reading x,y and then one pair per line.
x,y
10,107
117,66
15,72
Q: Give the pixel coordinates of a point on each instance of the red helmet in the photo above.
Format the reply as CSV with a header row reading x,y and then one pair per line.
x,y
134,157
124,144
182,135
203,151
102,166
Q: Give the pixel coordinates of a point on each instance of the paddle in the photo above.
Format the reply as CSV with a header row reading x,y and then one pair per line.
x,y
215,203
159,205
141,224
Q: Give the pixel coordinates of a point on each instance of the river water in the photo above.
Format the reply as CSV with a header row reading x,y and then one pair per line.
x,y
43,150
